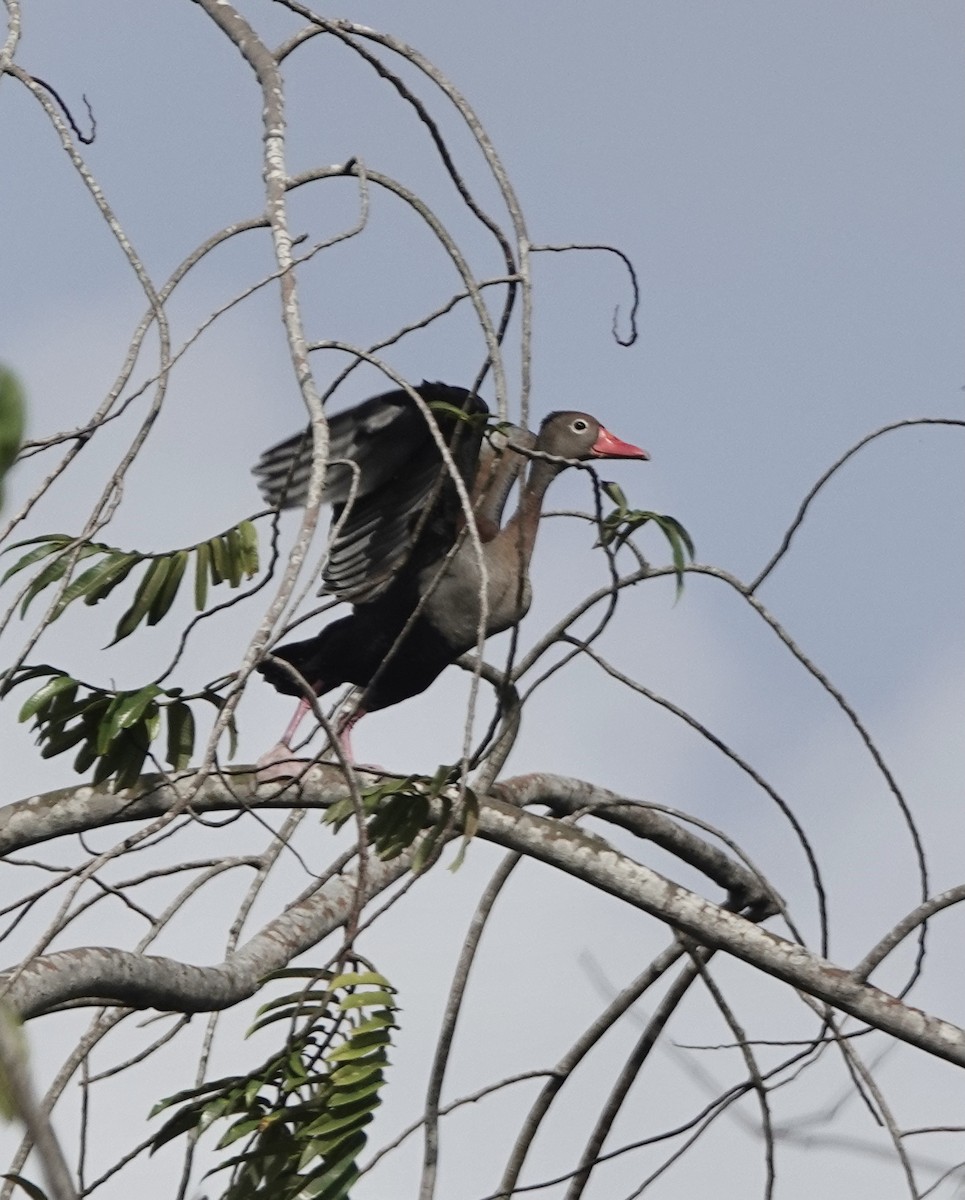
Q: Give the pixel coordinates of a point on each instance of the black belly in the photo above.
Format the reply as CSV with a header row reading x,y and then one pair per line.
x,y
361,649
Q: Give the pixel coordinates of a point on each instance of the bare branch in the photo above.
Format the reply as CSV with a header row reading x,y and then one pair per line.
x,y
831,471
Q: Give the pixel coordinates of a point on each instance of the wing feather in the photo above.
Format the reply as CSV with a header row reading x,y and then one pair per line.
x,y
392,494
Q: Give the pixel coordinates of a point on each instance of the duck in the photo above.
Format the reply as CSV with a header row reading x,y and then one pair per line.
x,y
422,584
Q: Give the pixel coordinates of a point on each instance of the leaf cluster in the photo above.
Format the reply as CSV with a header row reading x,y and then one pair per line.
x,y
304,1111
400,809
112,730
623,522
228,557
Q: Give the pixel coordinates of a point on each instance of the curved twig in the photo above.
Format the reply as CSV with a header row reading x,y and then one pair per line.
x,y
631,271
831,471
447,1028
574,1056
631,1068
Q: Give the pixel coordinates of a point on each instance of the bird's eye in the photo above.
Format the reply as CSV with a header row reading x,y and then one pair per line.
x,y
580,426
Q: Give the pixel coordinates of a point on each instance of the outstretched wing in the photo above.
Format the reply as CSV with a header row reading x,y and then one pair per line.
x,y
390,489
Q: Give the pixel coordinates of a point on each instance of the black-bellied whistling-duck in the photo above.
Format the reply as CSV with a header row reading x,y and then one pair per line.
x,y
402,554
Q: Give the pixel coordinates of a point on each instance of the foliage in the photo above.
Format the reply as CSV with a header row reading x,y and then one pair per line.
x,y
114,730
303,1111
228,557
624,521
399,810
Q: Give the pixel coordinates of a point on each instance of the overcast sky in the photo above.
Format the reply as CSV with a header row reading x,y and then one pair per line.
x,y
788,181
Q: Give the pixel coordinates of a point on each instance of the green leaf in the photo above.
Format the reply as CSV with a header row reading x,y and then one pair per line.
x,y
87,755
77,588
123,757
299,1119
134,747
144,597
363,1097
399,821
381,1020
682,533
27,673
334,1182
55,571
113,571
297,1072
351,979
180,720
425,851
64,707
34,1192
620,524
185,1120
248,536
366,1000
451,410
310,1000
470,824
151,722
352,1073
233,555
202,555
239,1130
209,1088
49,544
305,1000
178,562
615,493
219,560
133,706
11,422
330,1124
107,730
43,696
106,763
60,742
349,1051
218,702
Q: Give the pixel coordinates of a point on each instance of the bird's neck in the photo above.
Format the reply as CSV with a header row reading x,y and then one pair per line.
x,y
521,528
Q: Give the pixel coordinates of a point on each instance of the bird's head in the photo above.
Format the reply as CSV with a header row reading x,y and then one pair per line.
x,y
580,436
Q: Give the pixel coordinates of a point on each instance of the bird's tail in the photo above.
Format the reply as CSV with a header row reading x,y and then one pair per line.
x,y
303,656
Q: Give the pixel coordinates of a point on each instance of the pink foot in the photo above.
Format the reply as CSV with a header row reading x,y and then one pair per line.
x,y
279,763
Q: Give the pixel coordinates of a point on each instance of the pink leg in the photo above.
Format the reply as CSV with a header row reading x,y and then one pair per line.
x,y
292,728
343,731
279,762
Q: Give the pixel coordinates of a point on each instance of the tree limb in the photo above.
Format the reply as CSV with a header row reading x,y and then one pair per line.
x,y
144,981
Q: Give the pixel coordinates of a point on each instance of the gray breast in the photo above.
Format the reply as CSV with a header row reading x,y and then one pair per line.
x,y
454,605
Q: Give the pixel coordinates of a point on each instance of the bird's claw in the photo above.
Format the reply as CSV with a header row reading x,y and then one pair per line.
x,y
279,763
